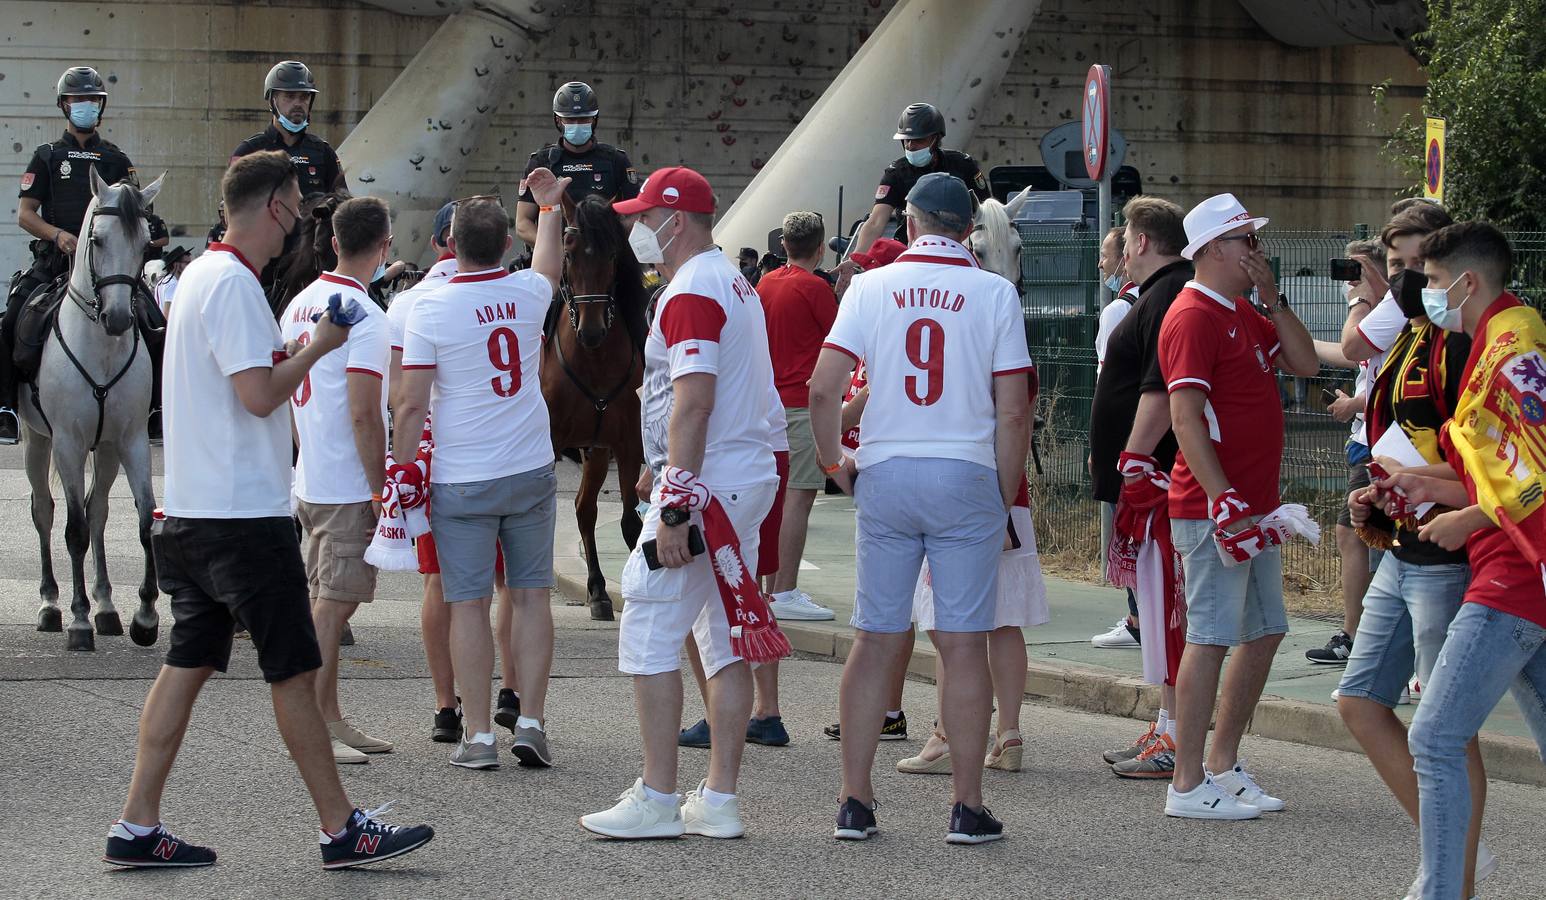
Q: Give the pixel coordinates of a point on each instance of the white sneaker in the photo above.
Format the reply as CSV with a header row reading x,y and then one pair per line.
x,y
797,604
1206,801
345,755
699,816
1118,638
1414,690
1486,863
635,817
1238,783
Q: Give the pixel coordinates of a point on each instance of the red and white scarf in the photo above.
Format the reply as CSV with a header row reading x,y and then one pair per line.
x,y
1143,558
754,632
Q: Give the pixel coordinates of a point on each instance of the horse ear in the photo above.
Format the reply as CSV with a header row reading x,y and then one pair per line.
x,y
98,186
150,192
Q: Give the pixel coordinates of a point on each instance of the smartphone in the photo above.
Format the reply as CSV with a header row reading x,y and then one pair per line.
x,y
694,546
1329,395
1346,270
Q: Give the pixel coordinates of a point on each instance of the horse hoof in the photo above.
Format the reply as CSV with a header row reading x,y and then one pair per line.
x,y
347,638
601,609
80,639
143,636
109,624
49,619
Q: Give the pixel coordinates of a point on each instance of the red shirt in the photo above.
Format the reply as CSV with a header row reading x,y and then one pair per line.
x,y
1225,348
800,308
1501,577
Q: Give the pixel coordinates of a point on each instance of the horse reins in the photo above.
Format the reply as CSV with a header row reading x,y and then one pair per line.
x,y
572,303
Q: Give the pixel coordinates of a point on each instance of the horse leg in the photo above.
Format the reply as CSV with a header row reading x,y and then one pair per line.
x,y
628,465
136,467
38,458
77,537
104,473
592,478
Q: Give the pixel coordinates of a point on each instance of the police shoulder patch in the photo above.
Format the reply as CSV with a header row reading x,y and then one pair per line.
x,y
882,191
633,175
27,179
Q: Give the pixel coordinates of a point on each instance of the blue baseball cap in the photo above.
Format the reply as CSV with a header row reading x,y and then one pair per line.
x,y
945,197
443,223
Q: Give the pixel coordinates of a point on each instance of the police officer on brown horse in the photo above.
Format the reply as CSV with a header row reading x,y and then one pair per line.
x,y
55,191
290,92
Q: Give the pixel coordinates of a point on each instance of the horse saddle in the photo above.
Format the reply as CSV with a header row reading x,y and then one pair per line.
x,y
33,324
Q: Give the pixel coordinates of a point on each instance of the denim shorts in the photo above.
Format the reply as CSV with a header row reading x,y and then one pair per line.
x,y
947,510
1406,613
518,511
1227,606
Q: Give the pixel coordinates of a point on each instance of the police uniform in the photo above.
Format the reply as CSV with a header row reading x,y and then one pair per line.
x,y
59,178
603,169
315,162
901,175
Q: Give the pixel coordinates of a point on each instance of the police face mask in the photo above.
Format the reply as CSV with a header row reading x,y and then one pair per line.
x,y
919,158
84,114
578,135
292,127
1407,289
1440,313
645,241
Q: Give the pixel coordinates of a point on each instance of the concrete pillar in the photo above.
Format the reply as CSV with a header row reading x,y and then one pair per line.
x,y
951,53
412,148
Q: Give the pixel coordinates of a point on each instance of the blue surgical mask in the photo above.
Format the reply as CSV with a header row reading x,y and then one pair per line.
x,y
85,114
380,272
919,158
290,126
1114,282
1436,305
578,135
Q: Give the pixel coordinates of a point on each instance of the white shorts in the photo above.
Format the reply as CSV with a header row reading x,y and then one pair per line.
x,y
660,607
1022,594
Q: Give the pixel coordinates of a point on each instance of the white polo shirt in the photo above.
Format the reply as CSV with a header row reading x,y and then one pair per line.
x,y
402,303
222,462
328,469
710,320
933,330
1380,328
481,332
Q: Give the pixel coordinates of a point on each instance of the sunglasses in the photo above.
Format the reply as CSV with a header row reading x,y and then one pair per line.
x,y
491,198
1252,242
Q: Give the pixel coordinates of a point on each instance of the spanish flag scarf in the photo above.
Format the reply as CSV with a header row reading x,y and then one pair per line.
x,y
1499,428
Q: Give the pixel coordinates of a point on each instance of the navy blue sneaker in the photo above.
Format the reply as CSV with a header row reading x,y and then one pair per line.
x,y
697,736
769,732
158,850
366,841
973,827
855,821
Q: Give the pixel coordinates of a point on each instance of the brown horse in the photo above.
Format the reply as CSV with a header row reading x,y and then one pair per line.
x,y
592,366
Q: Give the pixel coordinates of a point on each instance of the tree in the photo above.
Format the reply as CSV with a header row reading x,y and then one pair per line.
x,y
1486,65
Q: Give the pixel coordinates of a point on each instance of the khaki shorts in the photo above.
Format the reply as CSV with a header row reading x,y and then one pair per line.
x,y
804,470
335,551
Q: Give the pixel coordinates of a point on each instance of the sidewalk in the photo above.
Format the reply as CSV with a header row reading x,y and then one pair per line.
x,y
1064,667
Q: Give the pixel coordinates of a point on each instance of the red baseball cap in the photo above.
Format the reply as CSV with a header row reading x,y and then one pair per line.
x,y
883,251
676,187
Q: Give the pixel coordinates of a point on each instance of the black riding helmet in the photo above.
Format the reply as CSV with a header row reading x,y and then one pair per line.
x,y
289,75
82,81
919,120
575,100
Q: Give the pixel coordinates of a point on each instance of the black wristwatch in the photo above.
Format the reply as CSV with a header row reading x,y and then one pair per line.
x,y
674,516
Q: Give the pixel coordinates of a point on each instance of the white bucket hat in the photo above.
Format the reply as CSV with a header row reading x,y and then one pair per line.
x,y
1213,217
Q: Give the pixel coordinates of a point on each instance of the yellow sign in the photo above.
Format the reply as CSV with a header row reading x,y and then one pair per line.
x,y
1433,161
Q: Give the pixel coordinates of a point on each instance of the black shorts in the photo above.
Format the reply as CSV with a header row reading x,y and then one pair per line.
x,y
1357,477
221,573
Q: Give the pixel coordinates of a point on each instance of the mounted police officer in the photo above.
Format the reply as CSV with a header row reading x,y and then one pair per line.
x,y
55,191
290,92
591,166
920,129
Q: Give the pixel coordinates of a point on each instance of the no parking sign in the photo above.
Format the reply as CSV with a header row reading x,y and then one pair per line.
x,y
1097,121
1433,161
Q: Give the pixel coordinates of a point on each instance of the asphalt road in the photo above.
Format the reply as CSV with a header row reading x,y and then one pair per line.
x,y
66,749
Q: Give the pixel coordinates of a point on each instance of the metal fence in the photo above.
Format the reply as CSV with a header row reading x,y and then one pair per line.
x,y
1060,282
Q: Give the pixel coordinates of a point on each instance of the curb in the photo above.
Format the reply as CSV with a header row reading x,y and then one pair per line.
x,y
1100,691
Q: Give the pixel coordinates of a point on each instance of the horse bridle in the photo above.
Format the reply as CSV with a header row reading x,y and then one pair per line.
x,y
573,301
93,305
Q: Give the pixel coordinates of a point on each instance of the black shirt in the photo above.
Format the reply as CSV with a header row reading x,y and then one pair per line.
x,y
603,169
1132,368
901,175
315,162
59,177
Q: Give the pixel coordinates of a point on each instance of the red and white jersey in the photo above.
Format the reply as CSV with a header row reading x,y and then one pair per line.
x,y
482,334
933,330
328,469
710,320
402,303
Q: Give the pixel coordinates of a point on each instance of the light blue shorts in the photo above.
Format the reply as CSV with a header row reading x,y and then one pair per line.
x,y
947,510
1406,614
1228,606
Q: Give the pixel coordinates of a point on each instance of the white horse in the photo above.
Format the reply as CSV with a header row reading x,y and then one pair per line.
x,y
91,396
996,241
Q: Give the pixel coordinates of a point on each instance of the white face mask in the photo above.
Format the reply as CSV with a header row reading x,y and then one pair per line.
x,y
645,241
